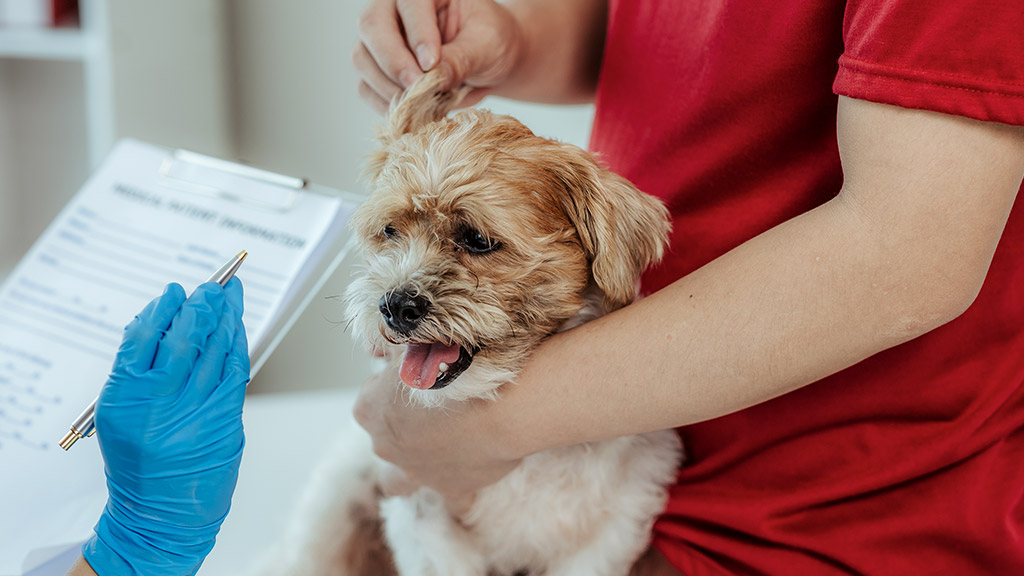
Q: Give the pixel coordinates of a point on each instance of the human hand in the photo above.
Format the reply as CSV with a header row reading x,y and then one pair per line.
x,y
479,42
169,426
455,451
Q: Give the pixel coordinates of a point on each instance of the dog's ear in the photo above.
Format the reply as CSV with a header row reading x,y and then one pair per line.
x,y
622,230
426,101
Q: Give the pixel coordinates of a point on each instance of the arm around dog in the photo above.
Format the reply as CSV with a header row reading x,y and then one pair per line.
x,y
901,250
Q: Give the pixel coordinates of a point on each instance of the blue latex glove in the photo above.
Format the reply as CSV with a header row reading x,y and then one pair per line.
x,y
169,424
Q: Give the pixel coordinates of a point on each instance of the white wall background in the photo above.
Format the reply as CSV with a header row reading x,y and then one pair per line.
x,y
39,102
6,197
294,108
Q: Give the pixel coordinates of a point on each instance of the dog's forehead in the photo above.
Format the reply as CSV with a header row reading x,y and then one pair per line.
x,y
426,187
484,204
435,163
478,170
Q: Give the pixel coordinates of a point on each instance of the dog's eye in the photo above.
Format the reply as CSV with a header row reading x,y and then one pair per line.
x,y
389,232
476,243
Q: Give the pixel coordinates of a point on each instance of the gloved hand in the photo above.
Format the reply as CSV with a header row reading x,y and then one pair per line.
x,y
169,424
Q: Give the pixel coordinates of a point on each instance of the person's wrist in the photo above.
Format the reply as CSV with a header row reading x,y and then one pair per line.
x,y
501,422
521,14
123,546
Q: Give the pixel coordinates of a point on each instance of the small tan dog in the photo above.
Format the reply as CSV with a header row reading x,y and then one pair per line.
x,y
482,239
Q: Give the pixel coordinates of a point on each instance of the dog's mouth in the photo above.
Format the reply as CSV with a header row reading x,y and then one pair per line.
x,y
433,365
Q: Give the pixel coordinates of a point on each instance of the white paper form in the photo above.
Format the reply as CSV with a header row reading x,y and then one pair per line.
x,y
123,237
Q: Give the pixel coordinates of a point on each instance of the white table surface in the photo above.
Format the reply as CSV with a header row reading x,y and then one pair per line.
x,y
285,436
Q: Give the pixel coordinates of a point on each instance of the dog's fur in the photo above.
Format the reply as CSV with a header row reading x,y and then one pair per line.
x,y
570,240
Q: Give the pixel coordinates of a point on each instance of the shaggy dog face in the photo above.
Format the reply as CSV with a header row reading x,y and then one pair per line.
x,y
481,239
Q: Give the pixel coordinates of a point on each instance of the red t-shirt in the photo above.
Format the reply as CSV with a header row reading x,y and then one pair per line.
x,y
912,461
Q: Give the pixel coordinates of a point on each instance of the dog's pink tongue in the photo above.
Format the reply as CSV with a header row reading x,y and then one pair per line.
x,y
422,363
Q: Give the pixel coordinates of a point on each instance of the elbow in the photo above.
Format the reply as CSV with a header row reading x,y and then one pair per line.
x,y
925,271
935,300
962,296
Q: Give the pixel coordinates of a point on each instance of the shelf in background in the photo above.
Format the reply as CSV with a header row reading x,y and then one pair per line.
x,y
67,44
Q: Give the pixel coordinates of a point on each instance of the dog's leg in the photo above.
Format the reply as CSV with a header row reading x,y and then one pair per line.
x,y
426,541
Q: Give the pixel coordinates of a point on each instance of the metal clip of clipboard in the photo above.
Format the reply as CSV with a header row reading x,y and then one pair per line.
x,y
210,176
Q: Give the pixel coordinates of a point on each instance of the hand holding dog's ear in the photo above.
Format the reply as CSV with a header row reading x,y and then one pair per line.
x,y
478,41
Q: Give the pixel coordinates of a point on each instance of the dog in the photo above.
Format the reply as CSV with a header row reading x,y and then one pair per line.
x,y
482,239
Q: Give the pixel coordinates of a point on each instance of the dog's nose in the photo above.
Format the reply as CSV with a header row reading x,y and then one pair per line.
x,y
403,311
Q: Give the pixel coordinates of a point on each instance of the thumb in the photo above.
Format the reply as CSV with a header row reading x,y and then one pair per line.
x,y
471,60
455,63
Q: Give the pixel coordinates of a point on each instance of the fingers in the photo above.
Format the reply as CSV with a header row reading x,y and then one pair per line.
x,y
375,88
365,411
370,411
234,296
238,356
213,358
399,40
422,33
236,372
380,33
371,98
223,366
190,329
142,336
478,55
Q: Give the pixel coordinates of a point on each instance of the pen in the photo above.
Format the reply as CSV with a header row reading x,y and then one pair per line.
x,y
84,425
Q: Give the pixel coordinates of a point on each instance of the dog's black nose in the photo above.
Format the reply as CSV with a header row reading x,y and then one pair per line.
x,y
403,311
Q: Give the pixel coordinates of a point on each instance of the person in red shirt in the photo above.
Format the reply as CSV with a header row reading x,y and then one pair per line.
x,y
837,330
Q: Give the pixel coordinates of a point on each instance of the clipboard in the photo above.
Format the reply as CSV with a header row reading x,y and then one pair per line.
x,y
207,175
148,216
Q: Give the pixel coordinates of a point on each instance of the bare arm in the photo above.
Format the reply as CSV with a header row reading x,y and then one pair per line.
x,y
81,568
901,250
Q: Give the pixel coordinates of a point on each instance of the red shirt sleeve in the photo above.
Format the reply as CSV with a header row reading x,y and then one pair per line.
x,y
957,57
